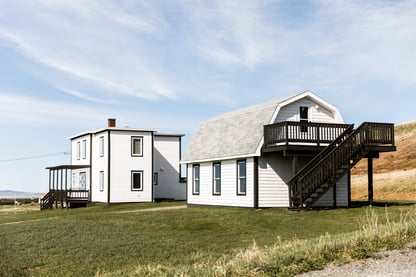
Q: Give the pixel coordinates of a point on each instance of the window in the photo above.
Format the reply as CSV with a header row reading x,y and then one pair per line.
x,y
303,118
137,180
241,177
83,180
195,179
137,146
84,149
78,150
155,178
101,182
101,146
216,178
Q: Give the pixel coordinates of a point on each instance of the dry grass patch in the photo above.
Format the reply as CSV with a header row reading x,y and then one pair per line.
x,y
396,185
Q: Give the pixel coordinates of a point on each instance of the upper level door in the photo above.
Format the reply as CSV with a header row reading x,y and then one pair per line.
x,y
303,114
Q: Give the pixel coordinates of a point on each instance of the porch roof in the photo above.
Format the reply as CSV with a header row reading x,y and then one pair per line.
x,y
69,166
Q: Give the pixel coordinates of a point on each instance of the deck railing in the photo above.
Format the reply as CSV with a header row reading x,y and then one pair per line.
x,y
77,194
291,132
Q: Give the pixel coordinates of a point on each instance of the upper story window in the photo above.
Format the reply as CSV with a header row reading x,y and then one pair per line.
x,y
216,178
78,150
195,179
137,146
241,177
102,146
84,149
137,180
303,118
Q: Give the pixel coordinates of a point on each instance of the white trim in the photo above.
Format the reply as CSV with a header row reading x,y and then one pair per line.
x,y
314,97
221,159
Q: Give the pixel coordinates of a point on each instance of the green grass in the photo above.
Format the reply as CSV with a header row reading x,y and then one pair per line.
x,y
107,241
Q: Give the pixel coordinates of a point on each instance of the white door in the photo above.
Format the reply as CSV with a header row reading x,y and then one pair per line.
x,y
83,180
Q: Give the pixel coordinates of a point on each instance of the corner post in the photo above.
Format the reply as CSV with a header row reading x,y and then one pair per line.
x,y
370,179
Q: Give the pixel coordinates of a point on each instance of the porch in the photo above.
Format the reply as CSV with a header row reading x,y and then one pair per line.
x,y
61,193
300,138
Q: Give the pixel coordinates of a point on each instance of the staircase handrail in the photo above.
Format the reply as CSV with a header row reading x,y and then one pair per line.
x,y
337,153
333,145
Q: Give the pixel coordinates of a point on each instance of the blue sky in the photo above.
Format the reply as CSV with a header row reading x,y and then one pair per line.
x,y
67,66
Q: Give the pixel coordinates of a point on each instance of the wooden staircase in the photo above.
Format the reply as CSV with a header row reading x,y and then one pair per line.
x,y
46,201
335,160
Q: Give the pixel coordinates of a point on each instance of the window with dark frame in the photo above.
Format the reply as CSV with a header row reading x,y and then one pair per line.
x,y
78,150
84,149
101,181
102,146
137,146
217,178
155,178
137,180
303,118
241,177
195,179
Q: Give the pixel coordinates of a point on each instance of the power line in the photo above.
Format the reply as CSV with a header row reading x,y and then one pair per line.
x,y
35,157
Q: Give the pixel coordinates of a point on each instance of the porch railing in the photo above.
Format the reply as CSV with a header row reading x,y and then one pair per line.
x,y
77,194
291,132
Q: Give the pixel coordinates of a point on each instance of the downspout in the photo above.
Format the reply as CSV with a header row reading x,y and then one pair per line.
x,y
256,183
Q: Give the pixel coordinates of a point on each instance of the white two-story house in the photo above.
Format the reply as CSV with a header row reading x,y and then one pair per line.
x,y
119,165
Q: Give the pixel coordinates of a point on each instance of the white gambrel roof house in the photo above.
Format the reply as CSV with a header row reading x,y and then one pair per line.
x,y
293,152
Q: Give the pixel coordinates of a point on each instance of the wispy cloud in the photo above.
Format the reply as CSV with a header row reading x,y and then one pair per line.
x,y
105,50
95,42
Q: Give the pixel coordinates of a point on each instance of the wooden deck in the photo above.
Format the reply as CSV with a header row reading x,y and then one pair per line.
x,y
298,137
64,199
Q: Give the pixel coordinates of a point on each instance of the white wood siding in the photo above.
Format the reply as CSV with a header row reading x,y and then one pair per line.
x,y
341,195
317,113
123,163
74,150
275,171
166,158
99,164
228,195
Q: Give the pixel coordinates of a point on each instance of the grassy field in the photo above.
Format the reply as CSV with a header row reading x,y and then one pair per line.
x,y
127,240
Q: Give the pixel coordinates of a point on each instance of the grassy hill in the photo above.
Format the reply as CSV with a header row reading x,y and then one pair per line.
x,y
395,172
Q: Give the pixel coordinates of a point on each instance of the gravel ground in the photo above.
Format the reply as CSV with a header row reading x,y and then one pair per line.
x,y
392,263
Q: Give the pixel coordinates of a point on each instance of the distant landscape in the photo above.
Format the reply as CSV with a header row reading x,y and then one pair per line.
x,y
10,194
394,172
